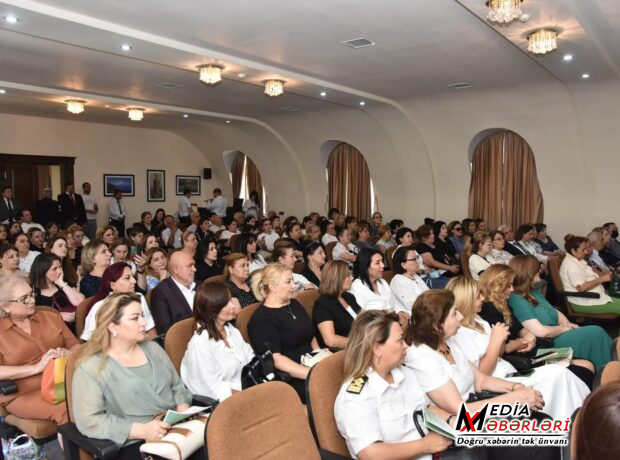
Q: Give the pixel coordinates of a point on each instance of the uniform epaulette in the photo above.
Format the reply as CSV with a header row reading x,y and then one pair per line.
x,y
357,384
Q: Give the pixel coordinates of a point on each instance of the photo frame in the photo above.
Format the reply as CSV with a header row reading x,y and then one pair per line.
x,y
123,182
155,185
190,182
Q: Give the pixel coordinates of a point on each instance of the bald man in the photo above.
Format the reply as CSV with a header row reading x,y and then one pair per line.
x,y
172,299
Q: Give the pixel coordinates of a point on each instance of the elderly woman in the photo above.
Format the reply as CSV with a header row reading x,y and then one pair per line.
x,y
498,255
335,309
216,352
363,237
237,273
9,259
30,339
525,238
26,256
155,268
406,285
140,381
344,249
96,257
282,324
578,276
371,291
376,416
480,249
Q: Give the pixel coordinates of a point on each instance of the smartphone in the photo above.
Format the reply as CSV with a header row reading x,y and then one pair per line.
x,y
525,373
139,250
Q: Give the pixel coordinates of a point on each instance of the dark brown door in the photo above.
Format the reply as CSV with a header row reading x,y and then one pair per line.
x,y
24,179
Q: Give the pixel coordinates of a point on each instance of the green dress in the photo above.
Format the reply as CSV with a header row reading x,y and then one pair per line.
x,y
588,342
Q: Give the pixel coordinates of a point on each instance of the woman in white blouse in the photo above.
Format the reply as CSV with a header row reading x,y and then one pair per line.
x,y
497,254
480,248
284,252
562,390
371,291
344,249
217,352
406,285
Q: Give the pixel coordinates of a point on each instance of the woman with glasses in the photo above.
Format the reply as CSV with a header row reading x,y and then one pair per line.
x,y
30,339
455,230
480,249
498,255
406,285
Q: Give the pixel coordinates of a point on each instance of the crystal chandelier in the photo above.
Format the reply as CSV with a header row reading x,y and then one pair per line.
x,y
542,41
274,88
504,10
136,113
210,73
75,105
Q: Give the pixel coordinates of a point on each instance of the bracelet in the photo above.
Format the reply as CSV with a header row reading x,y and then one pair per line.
x,y
140,272
449,418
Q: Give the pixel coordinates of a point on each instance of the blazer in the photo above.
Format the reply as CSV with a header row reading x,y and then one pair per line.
x,y
4,210
69,212
168,305
515,250
47,210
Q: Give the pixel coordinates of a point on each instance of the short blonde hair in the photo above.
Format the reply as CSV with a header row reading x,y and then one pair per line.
x,y
88,254
102,230
7,284
269,274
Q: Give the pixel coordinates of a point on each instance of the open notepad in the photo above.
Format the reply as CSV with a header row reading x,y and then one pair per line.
x,y
435,423
173,417
561,356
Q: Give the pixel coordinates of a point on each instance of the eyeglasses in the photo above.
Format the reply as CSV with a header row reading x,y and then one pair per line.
x,y
22,299
411,260
457,229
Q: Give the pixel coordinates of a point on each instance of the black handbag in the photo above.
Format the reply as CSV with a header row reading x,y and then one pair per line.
x,y
260,370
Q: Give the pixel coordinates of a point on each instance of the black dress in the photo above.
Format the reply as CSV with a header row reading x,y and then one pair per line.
x,y
286,330
245,298
57,300
327,308
89,285
310,276
492,315
204,271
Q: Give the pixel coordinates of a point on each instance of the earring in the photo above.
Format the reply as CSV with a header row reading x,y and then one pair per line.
x,y
114,334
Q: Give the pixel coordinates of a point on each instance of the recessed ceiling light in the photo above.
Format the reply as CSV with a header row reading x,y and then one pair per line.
x,y
185,115
2,91
362,103
228,121
126,47
568,57
323,93
524,17
11,19
241,75
585,76
107,106
358,43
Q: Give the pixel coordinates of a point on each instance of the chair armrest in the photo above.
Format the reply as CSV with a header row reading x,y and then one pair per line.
x,y
327,455
7,387
584,295
101,449
204,401
285,376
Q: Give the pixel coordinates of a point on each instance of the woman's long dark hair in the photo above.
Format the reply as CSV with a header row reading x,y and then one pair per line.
x,y
362,263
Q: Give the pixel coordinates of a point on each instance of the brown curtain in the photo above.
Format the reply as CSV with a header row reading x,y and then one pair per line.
x,y
349,181
485,190
523,201
253,179
337,177
236,171
44,178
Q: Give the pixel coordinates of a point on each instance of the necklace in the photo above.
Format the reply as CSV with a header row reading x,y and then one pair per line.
x,y
289,311
445,352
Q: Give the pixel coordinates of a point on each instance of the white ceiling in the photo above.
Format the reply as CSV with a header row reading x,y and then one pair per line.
x,y
63,48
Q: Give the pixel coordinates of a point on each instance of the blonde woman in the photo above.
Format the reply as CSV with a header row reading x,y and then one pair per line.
x,y
281,324
122,380
190,243
96,257
107,234
478,251
483,345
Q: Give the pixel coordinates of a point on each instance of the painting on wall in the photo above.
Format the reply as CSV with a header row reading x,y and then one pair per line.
x,y
123,182
155,185
190,182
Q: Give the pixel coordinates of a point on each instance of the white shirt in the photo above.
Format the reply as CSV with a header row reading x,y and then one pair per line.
x,y
250,208
327,238
185,206
405,291
340,249
218,205
477,264
216,228
89,203
574,273
381,411
91,318
188,293
499,257
178,236
370,300
26,262
226,234
114,211
257,263
211,368
26,227
270,239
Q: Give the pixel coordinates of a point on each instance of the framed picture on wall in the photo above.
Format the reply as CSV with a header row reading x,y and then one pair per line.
x,y
123,182
155,185
190,182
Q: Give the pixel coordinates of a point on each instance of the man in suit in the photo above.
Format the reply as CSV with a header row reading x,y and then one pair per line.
x,y
10,209
46,209
71,207
172,299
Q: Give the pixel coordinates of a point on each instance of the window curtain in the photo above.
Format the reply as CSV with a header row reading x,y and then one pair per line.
x,y
485,190
253,179
349,181
337,177
236,171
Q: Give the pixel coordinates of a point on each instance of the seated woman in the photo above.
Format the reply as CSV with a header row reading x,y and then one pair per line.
x,y
208,262
578,276
562,391
237,274
59,246
406,285
443,243
540,318
140,380
9,259
313,234
328,229
96,258
293,234
107,234
363,237
120,253
497,254
150,241
251,206
335,309
216,352
455,230
190,243
51,230
36,236
344,249
26,256
51,290
4,234
433,257
314,256
246,244
525,238
156,267
231,229
377,418
202,230
385,239
480,249
547,245
157,223
146,223
117,279
448,377
371,291
284,253
30,339
282,324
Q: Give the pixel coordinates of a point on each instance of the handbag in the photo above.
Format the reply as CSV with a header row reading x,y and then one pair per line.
x,y
53,381
23,448
259,370
614,285
180,442
315,357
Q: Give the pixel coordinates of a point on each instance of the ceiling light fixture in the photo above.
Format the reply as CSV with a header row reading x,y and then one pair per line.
x,y
274,88
568,57
210,74
126,47
362,103
504,11
136,113
228,121
542,41
185,115
585,76
241,75
323,93
2,91
75,106
11,19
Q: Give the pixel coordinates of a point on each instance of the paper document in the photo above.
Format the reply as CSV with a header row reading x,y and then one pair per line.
x,y
434,422
173,417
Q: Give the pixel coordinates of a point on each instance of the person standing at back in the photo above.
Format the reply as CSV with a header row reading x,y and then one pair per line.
x,y
185,207
218,203
72,208
46,209
10,209
117,212
91,208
